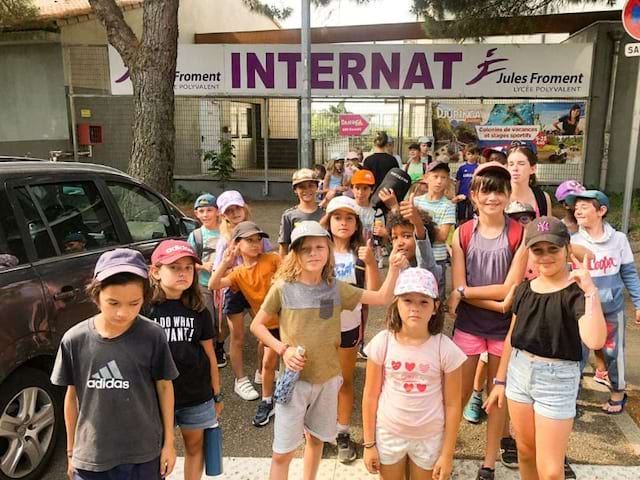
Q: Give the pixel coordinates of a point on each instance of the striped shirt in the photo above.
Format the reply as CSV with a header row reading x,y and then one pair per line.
x,y
443,212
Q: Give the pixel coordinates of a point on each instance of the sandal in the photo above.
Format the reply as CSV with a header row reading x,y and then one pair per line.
x,y
615,403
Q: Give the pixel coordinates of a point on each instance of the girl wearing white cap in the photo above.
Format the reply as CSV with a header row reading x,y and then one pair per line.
x,y
412,394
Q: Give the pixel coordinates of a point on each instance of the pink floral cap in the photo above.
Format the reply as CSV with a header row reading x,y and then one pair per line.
x,y
416,280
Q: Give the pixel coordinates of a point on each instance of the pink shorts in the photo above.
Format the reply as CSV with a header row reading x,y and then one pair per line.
x,y
474,345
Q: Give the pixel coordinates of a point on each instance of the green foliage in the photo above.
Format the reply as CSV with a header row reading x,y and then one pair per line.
x,y
14,12
268,10
221,163
181,195
465,14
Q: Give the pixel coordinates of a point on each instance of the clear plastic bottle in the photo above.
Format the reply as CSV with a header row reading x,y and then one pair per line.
x,y
287,382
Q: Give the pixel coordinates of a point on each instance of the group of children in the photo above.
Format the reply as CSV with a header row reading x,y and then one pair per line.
x,y
150,357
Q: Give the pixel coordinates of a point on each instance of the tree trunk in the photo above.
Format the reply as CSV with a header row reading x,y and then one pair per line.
x,y
153,147
152,65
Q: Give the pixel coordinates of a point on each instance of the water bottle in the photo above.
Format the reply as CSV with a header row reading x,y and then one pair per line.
x,y
287,382
213,450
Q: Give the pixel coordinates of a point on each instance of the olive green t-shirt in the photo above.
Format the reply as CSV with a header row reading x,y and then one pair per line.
x,y
310,316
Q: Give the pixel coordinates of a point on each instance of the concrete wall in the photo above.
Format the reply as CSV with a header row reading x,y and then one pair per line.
x,y
624,90
91,32
33,103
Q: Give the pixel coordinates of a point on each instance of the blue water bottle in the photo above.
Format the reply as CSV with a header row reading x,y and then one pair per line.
x,y
287,381
213,450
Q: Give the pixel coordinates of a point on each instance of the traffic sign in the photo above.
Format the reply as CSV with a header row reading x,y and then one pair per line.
x,y
353,125
632,50
631,19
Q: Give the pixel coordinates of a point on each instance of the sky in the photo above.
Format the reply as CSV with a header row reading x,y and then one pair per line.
x,y
347,12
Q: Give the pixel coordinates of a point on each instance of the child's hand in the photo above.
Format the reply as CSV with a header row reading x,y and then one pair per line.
x,y
581,275
219,408
207,266
167,460
443,468
508,300
366,253
229,256
453,302
495,397
371,460
410,212
70,473
458,198
388,197
293,360
637,317
398,260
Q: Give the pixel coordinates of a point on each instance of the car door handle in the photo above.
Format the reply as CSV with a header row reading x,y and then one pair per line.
x,y
66,293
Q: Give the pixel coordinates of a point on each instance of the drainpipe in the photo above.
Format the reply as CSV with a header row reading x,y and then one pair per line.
x,y
616,36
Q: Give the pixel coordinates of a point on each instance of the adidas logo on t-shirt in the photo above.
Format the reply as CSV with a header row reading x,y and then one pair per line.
x,y
108,377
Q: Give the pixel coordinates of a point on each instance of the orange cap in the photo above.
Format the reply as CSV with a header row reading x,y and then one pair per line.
x,y
363,177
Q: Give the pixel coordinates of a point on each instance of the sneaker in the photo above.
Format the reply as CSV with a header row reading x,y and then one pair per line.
x,y
473,412
257,378
221,357
361,353
265,411
602,377
244,389
346,450
486,473
509,452
568,471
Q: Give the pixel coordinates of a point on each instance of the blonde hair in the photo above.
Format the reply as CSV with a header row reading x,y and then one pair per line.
x,y
291,269
225,225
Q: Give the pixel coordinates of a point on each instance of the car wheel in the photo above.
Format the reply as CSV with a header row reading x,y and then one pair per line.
x,y
30,417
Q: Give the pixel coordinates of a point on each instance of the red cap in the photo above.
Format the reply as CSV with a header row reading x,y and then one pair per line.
x,y
168,251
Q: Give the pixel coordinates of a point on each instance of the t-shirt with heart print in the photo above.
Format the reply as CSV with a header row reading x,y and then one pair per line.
x,y
411,403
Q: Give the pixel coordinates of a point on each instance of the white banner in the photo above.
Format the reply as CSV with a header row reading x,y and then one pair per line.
x,y
340,70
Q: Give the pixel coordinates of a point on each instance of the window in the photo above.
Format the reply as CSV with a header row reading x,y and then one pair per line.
x,y
74,213
144,212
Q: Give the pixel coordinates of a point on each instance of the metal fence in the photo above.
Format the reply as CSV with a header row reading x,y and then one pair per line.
x,y
264,132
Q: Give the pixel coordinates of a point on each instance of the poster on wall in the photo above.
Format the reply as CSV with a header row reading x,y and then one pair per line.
x,y
554,130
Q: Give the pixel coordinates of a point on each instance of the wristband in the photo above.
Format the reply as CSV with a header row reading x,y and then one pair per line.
x,y
217,397
369,444
283,349
499,382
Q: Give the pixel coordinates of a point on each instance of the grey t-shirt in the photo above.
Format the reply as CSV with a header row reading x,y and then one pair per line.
x,y
291,217
119,418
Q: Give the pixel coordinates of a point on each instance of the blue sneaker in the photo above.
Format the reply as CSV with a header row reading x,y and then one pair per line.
x,y
473,412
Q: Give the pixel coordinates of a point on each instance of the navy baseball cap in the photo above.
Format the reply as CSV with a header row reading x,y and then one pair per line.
x,y
602,199
120,260
205,200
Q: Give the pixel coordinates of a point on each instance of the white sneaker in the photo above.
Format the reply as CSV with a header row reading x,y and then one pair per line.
x,y
244,389
257,378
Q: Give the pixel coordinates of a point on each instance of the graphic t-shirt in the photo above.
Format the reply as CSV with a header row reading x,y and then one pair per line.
x,y
411,403
346,271
443,212
464,175
292,217
209,242
310,317
185,329
254,282
118,415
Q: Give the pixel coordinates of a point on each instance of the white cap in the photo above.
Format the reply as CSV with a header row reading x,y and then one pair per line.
x,y
343,203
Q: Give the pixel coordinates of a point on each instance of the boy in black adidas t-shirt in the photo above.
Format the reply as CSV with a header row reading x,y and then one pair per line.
x,y
118,369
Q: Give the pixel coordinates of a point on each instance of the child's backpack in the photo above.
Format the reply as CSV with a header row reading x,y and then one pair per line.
x,y
515,234
201,250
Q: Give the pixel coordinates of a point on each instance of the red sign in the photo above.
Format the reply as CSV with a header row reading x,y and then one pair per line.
x,y
353,125
631,18
541,139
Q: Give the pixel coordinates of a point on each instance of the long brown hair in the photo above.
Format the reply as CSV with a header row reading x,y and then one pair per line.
x,y
190,298
290,269
393,322
531,158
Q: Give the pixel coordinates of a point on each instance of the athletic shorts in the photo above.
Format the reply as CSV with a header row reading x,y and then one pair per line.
x,y
234,302
392,448
473,345
350,338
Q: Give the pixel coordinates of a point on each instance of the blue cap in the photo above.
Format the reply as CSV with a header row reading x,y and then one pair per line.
x,y
602,199
205,200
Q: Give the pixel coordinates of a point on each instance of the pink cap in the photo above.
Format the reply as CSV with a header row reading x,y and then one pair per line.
x,y
416,280
170,251
492,166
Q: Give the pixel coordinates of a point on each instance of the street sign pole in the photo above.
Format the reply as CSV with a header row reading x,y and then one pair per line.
x,y
631,163
305,110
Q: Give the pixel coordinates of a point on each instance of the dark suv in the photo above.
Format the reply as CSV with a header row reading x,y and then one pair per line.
x,y
55,220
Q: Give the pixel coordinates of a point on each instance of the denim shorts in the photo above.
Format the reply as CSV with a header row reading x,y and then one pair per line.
x,y
130,471
551,386
234,302
196,417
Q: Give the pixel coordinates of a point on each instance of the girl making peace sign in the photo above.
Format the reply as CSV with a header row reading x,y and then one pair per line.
x,y
539,372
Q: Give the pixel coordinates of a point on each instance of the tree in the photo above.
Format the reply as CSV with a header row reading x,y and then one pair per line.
x,y
14,12
151,61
